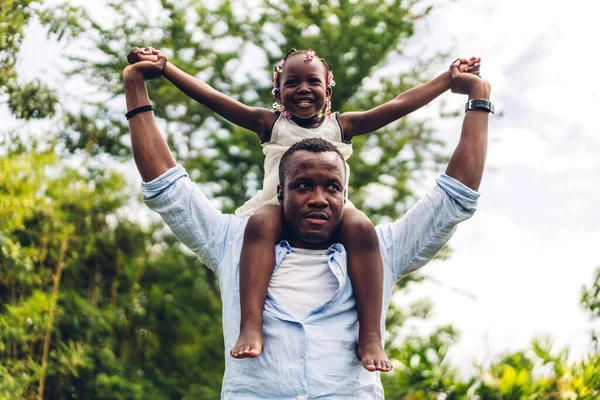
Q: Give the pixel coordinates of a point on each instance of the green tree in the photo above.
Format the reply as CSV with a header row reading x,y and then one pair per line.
x,y
539,373
25,100
423,371
92,305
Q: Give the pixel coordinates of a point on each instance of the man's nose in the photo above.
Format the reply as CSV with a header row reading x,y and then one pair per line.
x,y
318,198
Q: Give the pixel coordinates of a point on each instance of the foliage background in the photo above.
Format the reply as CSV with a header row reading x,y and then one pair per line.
x,y
96,302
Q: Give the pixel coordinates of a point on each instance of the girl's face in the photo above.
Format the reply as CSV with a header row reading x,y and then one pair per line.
x,y
303,87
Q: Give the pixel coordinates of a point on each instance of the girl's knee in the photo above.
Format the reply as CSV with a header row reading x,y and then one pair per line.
x,y
357,229
266,222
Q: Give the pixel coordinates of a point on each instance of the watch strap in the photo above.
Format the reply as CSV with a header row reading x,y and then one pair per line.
x,y
482,105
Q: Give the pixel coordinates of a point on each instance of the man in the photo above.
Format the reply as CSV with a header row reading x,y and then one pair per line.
x,y
310,322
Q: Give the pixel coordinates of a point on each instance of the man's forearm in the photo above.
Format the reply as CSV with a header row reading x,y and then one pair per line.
x,y
150,150
468,160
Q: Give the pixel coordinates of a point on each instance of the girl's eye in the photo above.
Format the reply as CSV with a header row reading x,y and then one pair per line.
x,y
290,82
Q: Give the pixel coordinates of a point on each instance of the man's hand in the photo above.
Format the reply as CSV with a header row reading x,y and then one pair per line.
x,y
468,81
147,62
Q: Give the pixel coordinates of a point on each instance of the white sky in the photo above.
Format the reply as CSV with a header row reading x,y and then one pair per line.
x,y
532,244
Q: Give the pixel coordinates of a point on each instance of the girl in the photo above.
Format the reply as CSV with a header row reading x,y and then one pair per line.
x,y
302,86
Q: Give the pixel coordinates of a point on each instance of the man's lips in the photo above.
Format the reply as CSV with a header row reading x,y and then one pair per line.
x,y
316,218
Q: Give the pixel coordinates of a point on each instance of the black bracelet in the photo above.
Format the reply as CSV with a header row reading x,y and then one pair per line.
x,y
138,110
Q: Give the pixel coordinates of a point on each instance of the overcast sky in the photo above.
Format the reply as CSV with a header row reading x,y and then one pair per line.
x,y
534,240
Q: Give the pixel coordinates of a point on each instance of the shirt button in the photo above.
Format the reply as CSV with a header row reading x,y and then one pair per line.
x,y
300,324
300,397
329,304
301,361
339,272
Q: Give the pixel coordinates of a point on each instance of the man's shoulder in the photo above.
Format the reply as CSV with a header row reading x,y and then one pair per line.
x,y
193,218
446,190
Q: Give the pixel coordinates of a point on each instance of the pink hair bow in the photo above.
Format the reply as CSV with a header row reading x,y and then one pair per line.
x,y
310,55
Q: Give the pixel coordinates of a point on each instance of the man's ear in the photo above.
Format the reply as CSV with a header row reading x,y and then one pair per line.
x,y
279,193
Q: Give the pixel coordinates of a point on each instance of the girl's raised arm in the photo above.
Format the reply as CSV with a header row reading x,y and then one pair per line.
x,y
360,123
259,120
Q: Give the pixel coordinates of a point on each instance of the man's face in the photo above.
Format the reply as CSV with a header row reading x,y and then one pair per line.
x,y
313,198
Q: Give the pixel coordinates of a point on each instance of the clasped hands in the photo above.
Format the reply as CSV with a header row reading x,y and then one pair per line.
x,y
466,78
147,62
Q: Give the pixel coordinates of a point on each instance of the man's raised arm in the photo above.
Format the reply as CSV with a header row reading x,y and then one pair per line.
x,y
468,160
167,189
150,150
421,233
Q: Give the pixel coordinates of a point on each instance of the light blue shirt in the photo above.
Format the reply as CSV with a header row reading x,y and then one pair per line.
x,y
313,357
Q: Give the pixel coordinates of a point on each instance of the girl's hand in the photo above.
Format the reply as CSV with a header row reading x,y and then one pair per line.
x,y
148,62
470,66
146,54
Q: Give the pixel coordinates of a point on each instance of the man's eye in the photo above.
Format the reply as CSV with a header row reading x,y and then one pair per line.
x,y
333,187
303,186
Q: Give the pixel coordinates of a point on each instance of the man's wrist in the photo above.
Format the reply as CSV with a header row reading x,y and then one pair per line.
x,y
135,88
131,75
481,91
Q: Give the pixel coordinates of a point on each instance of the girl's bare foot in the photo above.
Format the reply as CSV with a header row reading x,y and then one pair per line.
x,y
249,343
372,354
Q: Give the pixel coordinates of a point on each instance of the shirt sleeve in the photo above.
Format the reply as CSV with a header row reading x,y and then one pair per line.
x,y
189,214
410,242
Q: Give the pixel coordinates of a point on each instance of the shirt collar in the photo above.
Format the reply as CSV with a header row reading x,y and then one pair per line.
x,y
281,250
284,247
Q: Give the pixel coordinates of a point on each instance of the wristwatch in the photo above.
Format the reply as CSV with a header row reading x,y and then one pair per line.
x,y
482,105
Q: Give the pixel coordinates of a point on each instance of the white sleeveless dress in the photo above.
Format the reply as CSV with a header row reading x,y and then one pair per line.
x,y
284,134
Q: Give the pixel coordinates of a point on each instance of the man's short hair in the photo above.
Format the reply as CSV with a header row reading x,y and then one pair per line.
x,y
314,145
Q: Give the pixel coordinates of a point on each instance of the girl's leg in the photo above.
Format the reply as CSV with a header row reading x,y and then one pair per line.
x,y
257,262
365,268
